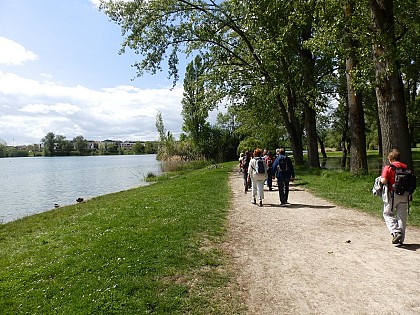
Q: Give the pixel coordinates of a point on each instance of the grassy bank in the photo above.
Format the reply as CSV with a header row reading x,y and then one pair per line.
x,y
346,190
151,250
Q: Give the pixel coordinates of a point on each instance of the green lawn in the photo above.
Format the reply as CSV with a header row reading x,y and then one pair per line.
x,y
151,250
350,191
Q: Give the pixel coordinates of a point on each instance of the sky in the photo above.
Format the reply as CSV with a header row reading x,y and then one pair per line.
x,y
61,72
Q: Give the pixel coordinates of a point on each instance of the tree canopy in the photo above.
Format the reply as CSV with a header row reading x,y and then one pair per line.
x,y
288,59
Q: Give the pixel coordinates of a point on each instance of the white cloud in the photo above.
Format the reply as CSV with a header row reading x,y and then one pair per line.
x,y
30,109
12,53
61,108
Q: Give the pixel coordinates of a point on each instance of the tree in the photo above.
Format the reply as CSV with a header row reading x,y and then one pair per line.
x,y
166,148
358,156
80,144
3,147
233,43
49,146
194,109
63,147
289,51
139,148
389,85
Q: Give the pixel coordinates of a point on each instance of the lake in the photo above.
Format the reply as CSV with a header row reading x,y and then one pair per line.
x,y
33,185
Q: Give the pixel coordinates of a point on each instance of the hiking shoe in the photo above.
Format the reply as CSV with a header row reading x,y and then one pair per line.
x,y
260,203
397,238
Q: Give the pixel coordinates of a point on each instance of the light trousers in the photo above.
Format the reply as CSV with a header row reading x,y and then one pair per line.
x,y
396,218
258,188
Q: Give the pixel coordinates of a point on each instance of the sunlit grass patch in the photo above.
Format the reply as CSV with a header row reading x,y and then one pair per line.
x,y
153,249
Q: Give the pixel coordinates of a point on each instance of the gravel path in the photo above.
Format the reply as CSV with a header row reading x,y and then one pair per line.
x,y
313,257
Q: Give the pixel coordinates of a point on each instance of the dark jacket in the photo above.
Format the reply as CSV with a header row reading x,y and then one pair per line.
x,y
289,173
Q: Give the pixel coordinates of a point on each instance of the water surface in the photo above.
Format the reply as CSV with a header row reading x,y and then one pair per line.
x,y
33,185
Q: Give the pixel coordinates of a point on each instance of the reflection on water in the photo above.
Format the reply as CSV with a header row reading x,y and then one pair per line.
x,y
33,185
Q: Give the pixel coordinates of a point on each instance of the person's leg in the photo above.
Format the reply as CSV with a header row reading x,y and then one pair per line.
x,y
286,190
401,214
260,189
245,175
254,190
280,183
391,221
269,180
389,217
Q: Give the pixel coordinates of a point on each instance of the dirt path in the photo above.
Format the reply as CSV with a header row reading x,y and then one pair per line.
x,y
313,257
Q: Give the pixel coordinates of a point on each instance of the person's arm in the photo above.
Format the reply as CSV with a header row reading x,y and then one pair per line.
x,y
384,178
274,167
250,167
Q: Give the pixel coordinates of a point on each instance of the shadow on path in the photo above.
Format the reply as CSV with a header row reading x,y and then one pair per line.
x,y
412,247
298,206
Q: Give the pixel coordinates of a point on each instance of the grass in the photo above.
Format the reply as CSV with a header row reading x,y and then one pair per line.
x,y
355,192
346,190
150,250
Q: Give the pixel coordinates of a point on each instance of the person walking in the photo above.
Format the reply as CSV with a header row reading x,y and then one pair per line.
x,y
285,173
245,164
395,209
269,161
241,160
258,172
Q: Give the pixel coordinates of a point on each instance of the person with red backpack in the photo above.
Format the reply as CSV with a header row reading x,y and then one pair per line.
x,y
395,221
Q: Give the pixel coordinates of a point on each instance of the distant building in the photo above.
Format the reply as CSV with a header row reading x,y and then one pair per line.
x,y
128,145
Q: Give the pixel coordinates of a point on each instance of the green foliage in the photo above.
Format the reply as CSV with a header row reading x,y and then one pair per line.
x,y
195,110
49,146
80,144
146,250
275,57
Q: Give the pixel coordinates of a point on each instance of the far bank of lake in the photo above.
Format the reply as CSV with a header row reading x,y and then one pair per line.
x,y
34,185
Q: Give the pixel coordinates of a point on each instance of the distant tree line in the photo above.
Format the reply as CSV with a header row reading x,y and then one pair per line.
x,y
58,145
8,151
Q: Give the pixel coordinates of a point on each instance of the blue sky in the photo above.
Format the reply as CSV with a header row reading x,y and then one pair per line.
x,y
60,72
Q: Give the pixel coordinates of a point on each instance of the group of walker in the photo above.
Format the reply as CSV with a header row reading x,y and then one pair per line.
x,y
280,167
395,209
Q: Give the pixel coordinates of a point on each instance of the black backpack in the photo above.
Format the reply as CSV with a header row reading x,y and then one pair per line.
x,y
282,166
260,166
405,181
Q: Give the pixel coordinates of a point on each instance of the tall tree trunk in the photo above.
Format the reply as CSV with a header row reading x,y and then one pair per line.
x,y
322,147
344,136
292,127
308,62
389,86
312,137
358,156
378,126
